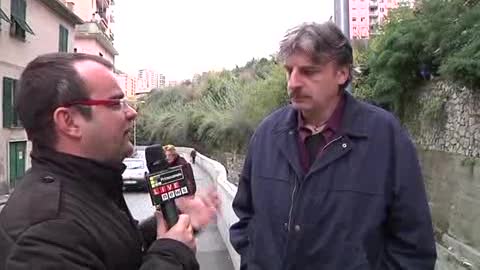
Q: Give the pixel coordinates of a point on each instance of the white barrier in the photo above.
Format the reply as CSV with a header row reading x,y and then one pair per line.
x,y
226,191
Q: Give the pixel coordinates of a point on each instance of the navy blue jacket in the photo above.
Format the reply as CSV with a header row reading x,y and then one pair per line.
x,y
362,205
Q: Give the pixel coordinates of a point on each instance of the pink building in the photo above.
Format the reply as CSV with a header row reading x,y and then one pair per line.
x,y
95,36
365,15
28,28
128,84
149,79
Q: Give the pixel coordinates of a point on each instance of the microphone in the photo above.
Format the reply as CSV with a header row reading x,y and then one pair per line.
x,y
165,183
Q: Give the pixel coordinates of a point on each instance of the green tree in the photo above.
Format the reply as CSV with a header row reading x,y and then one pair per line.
x,y
438,37
219,113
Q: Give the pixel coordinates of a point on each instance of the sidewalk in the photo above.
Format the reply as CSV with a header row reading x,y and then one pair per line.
x,y
212,253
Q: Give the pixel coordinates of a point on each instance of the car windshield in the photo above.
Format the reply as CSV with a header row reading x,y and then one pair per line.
x,y
134,164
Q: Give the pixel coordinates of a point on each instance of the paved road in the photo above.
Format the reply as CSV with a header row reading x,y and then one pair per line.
x,y
211,251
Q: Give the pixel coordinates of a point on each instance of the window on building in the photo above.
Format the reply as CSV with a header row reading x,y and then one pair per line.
x,y
382,9
362,19
74,50
19,26
63,39
354,19
10,116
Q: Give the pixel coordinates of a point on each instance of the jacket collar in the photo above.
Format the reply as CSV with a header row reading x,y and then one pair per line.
x,y
352,123
105,177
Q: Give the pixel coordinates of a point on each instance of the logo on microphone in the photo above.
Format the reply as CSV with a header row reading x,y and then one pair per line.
x,y
167,185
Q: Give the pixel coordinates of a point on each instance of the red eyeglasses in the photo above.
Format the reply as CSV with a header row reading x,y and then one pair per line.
x,y
113,103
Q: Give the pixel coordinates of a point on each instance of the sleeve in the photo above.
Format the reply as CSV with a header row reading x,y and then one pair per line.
x,y
243,208
148,228
410,242
168,254
53,244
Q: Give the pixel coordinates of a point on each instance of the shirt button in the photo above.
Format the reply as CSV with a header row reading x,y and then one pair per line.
x,y
48,179
344,145
297,228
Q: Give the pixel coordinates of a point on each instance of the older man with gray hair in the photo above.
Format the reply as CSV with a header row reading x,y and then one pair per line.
x,y
330,182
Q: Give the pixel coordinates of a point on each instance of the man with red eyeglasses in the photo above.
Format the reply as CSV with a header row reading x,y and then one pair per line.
x,y
68,212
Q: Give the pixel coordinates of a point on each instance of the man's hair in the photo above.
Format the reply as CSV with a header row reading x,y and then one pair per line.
x,y
170,148
321,42
47,82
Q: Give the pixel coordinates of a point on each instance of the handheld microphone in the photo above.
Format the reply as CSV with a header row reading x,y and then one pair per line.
x,y
165,183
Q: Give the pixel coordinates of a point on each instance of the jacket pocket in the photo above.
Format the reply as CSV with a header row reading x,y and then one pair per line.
x,y
280,174
359,184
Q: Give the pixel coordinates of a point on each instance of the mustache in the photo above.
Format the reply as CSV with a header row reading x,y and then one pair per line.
x,y
295,94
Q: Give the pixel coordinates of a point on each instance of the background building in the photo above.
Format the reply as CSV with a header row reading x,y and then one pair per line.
x,y
28,28
149,79
128,83
366,15
95,35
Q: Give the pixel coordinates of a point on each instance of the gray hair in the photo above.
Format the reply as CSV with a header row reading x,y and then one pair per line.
x,y
321,42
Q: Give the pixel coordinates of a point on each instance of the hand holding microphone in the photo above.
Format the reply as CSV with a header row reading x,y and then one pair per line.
x,y
182,231
165,185
169,184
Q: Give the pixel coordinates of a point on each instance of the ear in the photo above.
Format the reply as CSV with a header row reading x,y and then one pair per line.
x,y
67,122
342,75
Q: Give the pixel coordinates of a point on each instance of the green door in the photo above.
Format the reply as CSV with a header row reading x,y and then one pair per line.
x,y
17,161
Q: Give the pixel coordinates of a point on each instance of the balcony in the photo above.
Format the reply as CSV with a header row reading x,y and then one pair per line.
x,y
90,28
97,30
373,14
373,4
102,7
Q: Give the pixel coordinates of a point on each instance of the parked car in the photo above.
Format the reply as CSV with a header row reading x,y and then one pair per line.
x,y
138,152
135,174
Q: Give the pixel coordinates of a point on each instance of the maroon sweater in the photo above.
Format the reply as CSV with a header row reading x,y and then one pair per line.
x,y
188,172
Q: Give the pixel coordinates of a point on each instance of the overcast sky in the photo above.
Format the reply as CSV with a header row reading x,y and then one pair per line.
x,y
182,37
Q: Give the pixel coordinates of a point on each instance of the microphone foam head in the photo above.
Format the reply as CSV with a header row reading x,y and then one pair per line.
x,y
156,159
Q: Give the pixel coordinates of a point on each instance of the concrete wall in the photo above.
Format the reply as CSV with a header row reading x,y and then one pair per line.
x,y
453,185
227,191
445,124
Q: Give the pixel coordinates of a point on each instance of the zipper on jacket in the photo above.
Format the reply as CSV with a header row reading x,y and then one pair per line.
x,y
291,205
332,141
295,185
